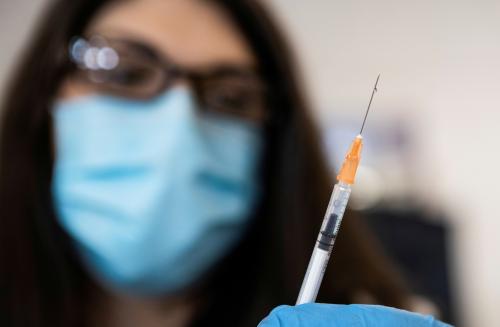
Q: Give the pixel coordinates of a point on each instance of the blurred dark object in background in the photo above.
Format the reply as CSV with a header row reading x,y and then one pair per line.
x,y
419,245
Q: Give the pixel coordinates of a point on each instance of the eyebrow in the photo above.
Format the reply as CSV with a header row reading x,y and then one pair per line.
x,y
138,46
240,71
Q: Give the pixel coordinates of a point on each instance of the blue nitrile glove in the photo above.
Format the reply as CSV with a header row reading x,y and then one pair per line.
x,y
336,315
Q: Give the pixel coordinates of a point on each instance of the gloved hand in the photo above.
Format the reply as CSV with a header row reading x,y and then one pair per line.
x,y
335,315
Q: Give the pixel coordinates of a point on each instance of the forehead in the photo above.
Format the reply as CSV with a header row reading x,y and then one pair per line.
x,y
191,32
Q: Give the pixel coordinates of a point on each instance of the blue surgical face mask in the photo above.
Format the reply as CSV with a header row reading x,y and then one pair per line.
x,y
152,193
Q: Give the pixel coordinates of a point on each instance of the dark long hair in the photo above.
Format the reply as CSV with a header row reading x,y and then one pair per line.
x,y
41,280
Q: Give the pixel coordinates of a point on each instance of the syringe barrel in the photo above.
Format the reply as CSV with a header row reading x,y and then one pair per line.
x,y
333,216
324,243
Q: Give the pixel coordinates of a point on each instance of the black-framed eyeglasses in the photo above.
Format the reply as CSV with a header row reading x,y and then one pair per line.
x,y
132,69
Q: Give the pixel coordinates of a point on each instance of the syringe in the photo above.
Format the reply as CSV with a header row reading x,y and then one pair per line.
x,y
333,217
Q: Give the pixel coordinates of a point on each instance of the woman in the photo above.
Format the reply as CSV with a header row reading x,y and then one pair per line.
x,y
159,167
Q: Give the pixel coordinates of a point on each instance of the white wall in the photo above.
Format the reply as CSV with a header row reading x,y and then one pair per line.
x,y
16,21
440,65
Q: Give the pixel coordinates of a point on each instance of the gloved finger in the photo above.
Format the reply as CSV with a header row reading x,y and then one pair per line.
x,y
372,315
313,314
333,315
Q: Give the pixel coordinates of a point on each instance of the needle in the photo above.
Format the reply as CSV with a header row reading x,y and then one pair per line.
x,y
369,104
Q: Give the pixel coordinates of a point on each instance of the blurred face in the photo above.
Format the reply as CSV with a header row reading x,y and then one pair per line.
x,y
158,138
194,34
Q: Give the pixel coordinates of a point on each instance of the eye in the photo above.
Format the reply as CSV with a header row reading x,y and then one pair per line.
x,y
236,98
131,74
231,97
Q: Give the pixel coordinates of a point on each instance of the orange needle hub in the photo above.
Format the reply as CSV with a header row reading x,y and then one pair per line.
x,y
347,173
